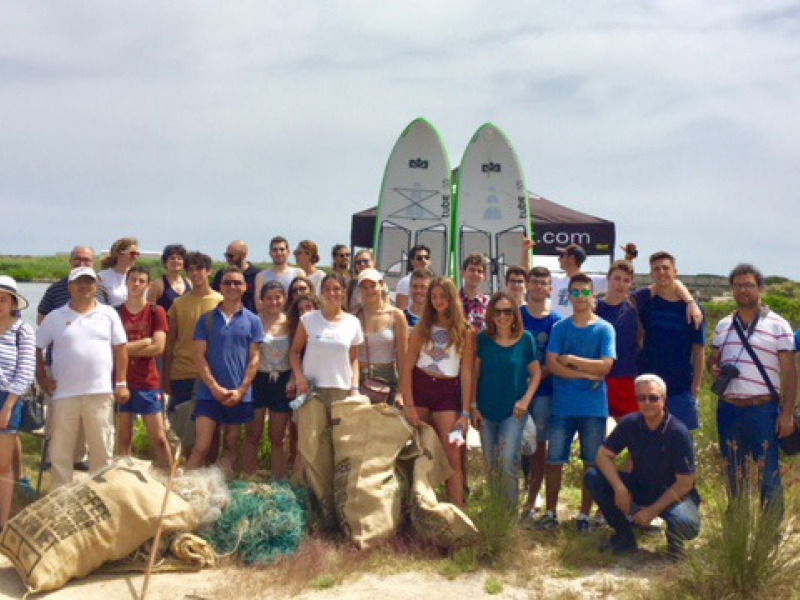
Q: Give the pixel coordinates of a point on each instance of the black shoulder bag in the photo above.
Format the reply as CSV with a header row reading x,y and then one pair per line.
x,y
32,403
791,443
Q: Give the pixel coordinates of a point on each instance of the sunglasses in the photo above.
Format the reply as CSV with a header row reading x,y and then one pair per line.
x,y
299,252
131,253
653,398
504,312
233,282
363,261
343,255
579,293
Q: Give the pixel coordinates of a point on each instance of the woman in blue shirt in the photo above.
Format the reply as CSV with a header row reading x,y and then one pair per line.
x,y
508,373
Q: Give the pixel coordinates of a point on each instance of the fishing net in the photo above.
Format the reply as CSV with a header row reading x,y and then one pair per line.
x,y
263,522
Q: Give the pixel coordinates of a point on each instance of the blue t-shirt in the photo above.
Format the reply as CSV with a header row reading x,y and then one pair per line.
x,y
581,397
797,340
668,341
657,456
540,329
411,318
228,351
504,375
626,325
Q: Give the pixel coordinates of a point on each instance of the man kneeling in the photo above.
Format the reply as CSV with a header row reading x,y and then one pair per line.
x,y
661,483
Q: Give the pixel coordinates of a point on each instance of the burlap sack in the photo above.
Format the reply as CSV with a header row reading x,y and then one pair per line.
x,y
367,439
316,450
441,523
76,528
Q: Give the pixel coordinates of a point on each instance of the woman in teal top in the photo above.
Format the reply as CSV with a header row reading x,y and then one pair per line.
x,y
508,373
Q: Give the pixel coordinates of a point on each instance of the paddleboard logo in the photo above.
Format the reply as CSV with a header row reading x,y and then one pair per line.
x,y
491,167
415,208
417,163
445,206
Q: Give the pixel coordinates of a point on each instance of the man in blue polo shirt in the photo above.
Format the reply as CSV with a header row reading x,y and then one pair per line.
x,y
227,344
661,483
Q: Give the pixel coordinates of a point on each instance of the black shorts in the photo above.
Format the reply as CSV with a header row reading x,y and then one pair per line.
x,y
271,394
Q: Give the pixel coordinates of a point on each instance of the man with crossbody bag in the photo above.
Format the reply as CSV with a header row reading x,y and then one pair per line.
x,y
756,407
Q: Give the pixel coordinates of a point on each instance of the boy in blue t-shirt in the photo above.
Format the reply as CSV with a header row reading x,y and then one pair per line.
x,y
580,354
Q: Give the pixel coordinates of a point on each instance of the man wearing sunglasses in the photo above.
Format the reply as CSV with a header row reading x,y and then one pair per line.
x,y
419,258
580,354
340,257
661,482
236,256
227,344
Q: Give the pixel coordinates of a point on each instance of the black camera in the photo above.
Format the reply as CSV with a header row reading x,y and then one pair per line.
x,y
727,373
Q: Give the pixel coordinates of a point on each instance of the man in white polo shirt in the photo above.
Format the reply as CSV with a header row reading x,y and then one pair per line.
x,y
88,346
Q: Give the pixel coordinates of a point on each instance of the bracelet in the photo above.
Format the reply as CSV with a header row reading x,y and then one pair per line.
x,y
121,384
466,414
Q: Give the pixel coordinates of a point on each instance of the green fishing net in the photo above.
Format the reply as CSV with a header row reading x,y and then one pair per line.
x,y
262,523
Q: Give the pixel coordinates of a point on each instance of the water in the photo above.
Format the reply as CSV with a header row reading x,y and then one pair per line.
x,y
33,293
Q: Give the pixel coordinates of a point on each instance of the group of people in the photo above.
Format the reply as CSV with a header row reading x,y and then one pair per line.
x,y
566,350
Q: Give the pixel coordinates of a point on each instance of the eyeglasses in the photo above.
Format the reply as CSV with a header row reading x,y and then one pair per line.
x,y
364,261
579,293
422,257
652,398
749,286
233,282
504,312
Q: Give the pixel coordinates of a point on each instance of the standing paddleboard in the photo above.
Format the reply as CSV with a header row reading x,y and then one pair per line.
x,y
415,202
491,214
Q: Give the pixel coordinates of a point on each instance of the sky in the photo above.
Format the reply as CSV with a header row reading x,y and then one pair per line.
x,y
203,122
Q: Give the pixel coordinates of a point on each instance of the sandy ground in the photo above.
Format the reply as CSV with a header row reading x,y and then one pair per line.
x,y
214,583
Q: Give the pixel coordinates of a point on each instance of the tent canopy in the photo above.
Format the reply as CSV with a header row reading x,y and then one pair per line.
x,y
554,225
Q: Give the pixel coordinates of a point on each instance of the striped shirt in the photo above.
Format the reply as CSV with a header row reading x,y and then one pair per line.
x,y
771,335
17,363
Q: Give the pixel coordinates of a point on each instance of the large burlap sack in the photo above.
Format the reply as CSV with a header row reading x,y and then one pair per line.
x,y
316,450
367,439
441,523
76,528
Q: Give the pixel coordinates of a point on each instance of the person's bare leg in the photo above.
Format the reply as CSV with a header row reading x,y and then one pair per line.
x,y
552,486
538,464
204,434
231,448
443,422
157,432
253,433
278,426
124,433
7,444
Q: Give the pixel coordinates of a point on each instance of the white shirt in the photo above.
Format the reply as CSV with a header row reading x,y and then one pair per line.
x,y
83,358
404,285
286,279
114,285
327,357
771,336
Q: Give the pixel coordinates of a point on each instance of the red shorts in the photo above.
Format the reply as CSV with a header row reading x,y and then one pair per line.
x,y
437,394
621,396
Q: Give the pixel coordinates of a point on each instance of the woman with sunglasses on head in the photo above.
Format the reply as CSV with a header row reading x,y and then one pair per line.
x,y
507,373
364,259
17,363
173,283
437,374
307,256
385,331
122,256
270,384
300,286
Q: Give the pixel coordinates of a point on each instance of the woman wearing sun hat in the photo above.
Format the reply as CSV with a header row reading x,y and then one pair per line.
x,y
17,365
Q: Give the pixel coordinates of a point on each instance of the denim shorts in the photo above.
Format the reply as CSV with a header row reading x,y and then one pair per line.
x,y
562,430
143,402
15,422
238,415
539,411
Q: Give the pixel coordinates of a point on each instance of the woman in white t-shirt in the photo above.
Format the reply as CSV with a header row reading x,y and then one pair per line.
x,y
437,375
330,339
123,255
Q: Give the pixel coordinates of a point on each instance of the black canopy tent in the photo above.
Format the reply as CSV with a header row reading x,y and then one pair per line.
x,y
554,225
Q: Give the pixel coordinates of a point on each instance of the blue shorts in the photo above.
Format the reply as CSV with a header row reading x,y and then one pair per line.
x,y
15,421
143,402
540,413
238,415
182,391
271,394
562,430
684,408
